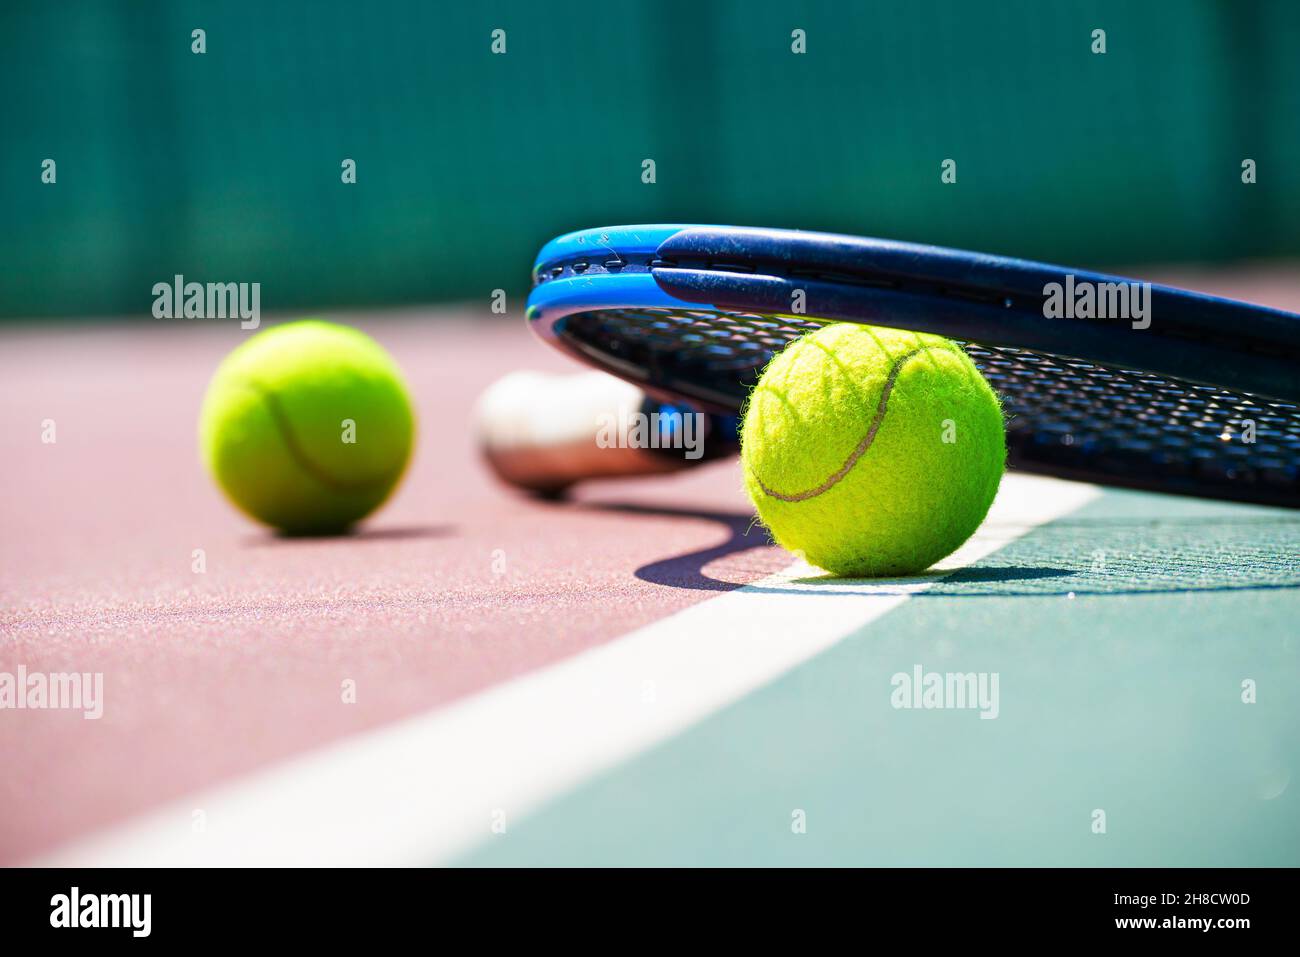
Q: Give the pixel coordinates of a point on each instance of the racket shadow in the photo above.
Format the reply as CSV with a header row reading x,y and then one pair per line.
x,y
1079,557
688,570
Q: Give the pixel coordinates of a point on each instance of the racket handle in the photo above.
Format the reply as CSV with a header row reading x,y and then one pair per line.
x,y
544,432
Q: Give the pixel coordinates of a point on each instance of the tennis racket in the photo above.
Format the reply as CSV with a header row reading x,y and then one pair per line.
x,y
1102,378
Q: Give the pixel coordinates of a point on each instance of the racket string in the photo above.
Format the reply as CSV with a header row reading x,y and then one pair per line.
x,y
1064,415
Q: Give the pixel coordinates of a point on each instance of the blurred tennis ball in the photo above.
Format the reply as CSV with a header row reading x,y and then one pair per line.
x,y
307,427
872,451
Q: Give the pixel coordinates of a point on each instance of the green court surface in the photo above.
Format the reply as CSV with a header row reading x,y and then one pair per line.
x,y
1122,634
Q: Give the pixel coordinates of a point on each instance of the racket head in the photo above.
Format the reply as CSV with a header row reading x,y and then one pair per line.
x,y
694,313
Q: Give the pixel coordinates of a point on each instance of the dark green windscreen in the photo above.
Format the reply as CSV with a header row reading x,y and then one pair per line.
x,y
225,166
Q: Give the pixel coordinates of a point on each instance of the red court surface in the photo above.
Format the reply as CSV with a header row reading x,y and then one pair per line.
x,y
212,675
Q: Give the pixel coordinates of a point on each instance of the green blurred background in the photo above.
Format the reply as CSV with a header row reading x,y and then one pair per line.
x,y
226,166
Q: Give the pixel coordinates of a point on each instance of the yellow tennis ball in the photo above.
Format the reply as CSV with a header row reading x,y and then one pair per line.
x,y
307,426
872,451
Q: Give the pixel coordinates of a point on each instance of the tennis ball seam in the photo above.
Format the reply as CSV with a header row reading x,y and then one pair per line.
x,y
882,406
300,457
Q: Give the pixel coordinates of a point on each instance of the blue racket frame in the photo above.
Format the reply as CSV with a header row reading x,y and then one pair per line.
x,y
694,312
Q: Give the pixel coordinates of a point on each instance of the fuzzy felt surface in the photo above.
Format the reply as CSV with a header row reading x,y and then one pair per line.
x,y
871,451
307,427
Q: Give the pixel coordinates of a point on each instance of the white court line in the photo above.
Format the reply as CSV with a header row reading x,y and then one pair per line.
x,y
424,789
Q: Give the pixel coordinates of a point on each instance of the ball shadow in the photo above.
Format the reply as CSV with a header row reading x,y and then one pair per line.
x,y
362,534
